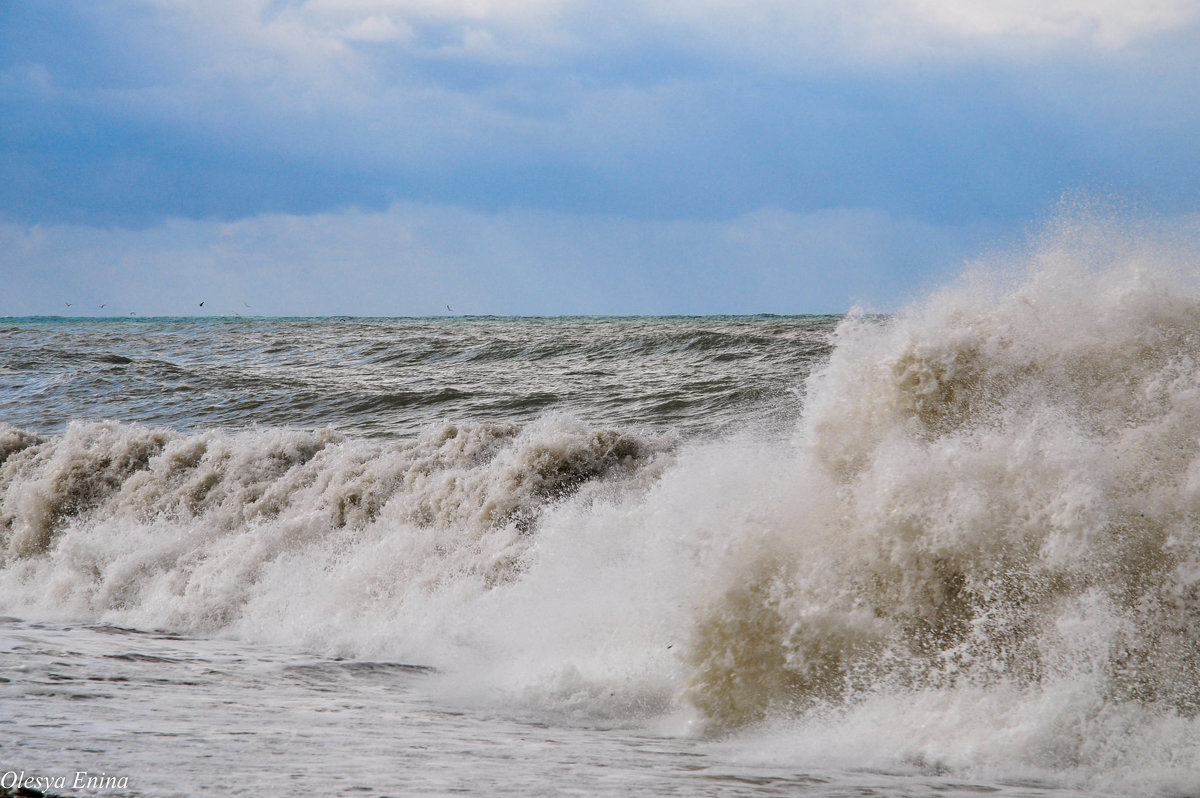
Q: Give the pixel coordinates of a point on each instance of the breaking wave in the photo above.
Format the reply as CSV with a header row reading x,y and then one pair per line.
x,y
980,551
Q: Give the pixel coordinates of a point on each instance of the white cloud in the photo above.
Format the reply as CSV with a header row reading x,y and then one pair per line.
x,y
790,33
656,107
377,28
316,34
391,81
1106,23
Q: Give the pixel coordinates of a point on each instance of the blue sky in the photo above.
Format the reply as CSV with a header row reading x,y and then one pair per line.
x,y
387,157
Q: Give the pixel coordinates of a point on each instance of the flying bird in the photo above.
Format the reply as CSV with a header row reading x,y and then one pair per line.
x,y
68,304
102,304
201,304
449,308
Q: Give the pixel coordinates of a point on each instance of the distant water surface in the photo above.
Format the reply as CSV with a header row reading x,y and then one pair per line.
x,y
394,377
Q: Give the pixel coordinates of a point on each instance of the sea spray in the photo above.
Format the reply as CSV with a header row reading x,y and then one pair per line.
x,y
1015,546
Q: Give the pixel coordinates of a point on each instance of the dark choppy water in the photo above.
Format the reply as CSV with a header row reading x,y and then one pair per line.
x,y
395,377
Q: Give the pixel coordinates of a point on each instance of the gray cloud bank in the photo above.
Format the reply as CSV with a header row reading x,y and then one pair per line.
x,y
414,259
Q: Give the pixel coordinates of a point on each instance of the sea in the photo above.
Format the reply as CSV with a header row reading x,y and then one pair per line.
x,y
952,550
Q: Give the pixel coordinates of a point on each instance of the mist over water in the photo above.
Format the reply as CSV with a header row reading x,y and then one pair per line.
x,y
962,539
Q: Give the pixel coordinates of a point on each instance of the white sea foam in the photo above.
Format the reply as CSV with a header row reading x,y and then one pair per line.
x,y
980,551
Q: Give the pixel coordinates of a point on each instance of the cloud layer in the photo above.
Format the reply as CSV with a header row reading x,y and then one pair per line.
x,y
153,115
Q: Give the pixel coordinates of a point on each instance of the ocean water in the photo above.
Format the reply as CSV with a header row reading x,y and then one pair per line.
x,y
949,551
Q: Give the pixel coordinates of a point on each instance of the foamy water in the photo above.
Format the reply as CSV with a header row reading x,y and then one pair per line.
x,y
954,549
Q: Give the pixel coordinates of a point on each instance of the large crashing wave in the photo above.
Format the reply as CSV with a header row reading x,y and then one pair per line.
x,y
1005,564
981,549
123,521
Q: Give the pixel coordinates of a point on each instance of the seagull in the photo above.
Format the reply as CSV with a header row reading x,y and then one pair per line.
x,y
247,304
68,304
201,304
103,304
449,308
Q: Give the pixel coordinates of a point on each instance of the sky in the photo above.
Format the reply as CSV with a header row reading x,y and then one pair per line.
x,y
546,157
